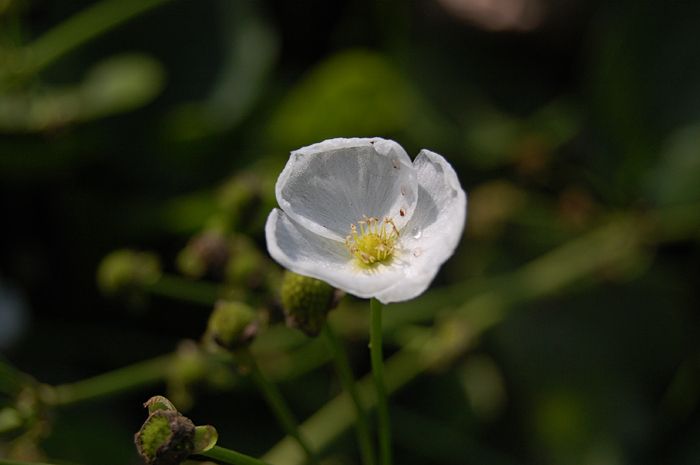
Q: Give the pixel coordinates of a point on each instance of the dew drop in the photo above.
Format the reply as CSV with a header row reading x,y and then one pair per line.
x,y
417,252
396,163
416,232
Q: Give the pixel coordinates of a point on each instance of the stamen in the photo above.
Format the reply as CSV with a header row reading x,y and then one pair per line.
x,y
372,241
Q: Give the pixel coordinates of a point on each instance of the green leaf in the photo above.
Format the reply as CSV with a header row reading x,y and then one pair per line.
x,y
354,93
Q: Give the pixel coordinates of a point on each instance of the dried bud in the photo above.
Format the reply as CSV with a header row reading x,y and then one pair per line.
x,y
232,325
166,438
205,253
306,302
127,270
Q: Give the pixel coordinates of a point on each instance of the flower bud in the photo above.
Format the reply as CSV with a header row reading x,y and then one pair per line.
x,y
205,253
306,302
127,270
246,266
239,197
232,325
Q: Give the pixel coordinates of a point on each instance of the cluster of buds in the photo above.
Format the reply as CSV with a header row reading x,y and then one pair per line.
x,y
231,257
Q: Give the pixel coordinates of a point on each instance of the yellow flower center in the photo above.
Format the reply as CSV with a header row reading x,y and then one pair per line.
x,y
372,241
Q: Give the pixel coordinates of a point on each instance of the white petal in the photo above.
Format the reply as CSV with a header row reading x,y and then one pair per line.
x,y
328,186
307,253
434,230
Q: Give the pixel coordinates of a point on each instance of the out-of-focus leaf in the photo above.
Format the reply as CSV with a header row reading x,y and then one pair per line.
x,y
115,85
495,139
250,50
676,178
354,93
119,84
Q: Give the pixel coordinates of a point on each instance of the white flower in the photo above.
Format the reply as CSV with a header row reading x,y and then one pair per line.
x,y
358,214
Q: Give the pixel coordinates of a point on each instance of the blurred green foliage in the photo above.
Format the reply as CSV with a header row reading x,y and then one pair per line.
x,y
161,125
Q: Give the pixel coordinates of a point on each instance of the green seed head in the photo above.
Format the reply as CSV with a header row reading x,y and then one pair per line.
x,y
306,302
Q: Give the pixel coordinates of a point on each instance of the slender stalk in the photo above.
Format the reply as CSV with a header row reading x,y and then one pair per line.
x,y
342,366
336,416
112,383
91,22
231,456
482,307
278,405
178,288
377,357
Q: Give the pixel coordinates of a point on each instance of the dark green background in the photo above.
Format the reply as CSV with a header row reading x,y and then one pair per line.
x,y
594,112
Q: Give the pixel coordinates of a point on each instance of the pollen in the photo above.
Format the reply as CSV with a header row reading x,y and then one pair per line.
x,y
372,241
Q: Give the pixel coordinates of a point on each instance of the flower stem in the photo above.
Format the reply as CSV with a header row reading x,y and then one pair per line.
x,y
278,405
231,456
178,288
114,382
342,366
375,345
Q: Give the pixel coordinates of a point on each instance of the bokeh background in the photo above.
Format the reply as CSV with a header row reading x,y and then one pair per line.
x,y
574,126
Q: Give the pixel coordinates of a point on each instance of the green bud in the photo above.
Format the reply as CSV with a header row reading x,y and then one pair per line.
x,y
127,270
205,253
188,367
232,325
240,197
246,265
189,364
166,438
10,420
306,302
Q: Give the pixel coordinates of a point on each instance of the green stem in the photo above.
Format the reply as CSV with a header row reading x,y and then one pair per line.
x,y
278,405
114,382
484,306
82,27
178,288
231,456
375,345
336,416
342,366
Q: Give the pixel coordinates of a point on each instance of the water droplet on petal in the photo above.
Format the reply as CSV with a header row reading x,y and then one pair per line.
x,y
417,252
416,232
